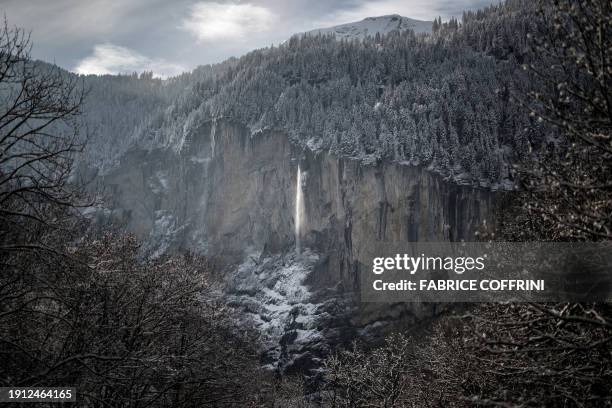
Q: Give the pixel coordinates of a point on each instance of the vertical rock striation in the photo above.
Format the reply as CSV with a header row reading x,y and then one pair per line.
x,y
231,195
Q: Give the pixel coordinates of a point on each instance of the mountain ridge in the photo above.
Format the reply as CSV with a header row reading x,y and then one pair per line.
x,y
370,26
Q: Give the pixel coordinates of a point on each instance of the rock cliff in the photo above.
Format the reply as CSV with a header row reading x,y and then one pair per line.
x,y
231,195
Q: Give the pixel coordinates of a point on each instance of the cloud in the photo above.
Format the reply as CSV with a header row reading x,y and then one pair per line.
x,y
114,59
217,21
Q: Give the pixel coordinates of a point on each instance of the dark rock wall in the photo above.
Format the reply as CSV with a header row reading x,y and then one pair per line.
x,y
225,191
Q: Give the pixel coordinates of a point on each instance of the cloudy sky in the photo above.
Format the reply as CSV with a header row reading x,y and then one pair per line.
x,y
168,37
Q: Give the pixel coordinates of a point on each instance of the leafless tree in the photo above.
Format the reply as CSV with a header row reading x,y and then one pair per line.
x,y
130,333
557,354
85,310
568,191
39,135
540,355
375,378
494,355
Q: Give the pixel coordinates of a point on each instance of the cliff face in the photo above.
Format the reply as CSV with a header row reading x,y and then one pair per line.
x,y
232,196
222,194
349,206
226,191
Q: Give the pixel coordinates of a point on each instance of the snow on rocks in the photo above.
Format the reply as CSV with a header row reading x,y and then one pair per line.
x,y
274,298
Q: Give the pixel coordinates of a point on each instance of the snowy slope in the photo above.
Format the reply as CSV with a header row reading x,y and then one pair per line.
x,y
372,25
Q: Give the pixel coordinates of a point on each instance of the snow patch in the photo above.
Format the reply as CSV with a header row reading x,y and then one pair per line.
x,y
163,234
315,144
274,297
372,25
159,182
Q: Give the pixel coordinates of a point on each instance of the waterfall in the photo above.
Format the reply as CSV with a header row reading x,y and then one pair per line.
x,y
213,133
299,210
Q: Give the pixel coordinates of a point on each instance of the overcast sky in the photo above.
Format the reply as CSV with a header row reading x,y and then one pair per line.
x,y
168,37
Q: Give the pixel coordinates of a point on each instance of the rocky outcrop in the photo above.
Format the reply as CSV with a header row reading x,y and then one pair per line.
x,y
223,193
231,195
350,206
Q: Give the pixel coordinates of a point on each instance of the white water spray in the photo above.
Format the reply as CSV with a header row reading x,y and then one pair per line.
x,y
299,211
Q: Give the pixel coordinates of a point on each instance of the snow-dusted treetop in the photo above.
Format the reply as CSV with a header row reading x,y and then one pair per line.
x,y
372,25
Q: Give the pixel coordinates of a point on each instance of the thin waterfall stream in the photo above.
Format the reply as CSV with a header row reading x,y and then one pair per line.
x,y
299,211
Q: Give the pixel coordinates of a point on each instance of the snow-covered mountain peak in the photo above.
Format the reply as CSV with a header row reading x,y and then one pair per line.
x,y
372,25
